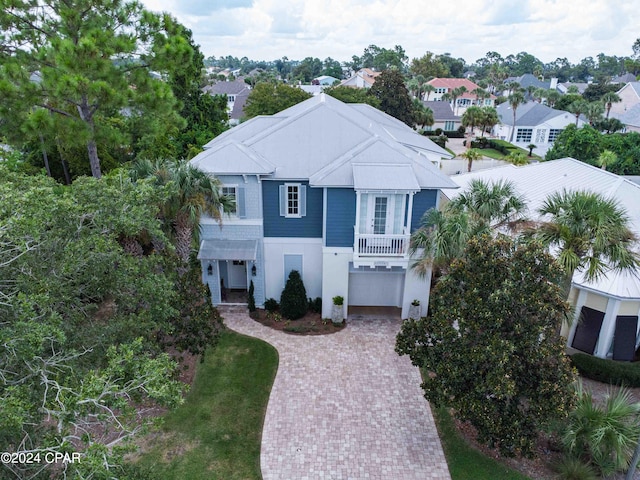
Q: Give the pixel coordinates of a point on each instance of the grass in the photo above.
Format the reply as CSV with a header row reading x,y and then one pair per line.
x,y
464,461
217,432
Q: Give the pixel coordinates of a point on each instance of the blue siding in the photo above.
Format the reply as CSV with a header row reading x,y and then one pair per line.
x,y
341,217
422,201
309,226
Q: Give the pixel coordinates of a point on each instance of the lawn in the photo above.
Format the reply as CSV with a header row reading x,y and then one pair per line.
x,y
217,432
464,461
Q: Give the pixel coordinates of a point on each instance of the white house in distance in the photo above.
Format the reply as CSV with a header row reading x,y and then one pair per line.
x,y
606,311
467,99
535,123
363,78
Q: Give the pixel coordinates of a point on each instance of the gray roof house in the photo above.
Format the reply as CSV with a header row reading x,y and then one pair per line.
x,y
236,92
535,123
443,116
608,307
329,189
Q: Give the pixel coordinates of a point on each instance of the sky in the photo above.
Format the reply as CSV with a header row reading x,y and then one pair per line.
x,y
272,29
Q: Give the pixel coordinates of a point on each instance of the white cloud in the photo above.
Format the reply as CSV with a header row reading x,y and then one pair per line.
x,y
270,29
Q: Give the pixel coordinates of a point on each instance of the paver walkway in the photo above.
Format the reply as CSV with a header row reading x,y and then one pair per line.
x,y
345,406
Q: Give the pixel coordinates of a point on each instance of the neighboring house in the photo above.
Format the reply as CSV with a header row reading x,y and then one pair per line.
x,y
629,97
443,116
312,89
236,92
564,87
467,99
325,80
529,80
363,78
330,189
535,123
626,78
630,118
608,309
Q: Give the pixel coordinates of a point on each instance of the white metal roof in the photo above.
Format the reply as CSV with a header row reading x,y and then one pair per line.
x,y
228,250
368,176
321,135
537,181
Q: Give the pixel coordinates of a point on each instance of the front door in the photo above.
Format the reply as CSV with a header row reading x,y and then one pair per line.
x,y
379,215
237,272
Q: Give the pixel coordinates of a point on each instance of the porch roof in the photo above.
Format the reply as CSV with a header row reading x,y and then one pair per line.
x,y
228,250
369,176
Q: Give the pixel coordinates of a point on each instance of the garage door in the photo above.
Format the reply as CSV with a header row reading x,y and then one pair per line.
x,y
376,289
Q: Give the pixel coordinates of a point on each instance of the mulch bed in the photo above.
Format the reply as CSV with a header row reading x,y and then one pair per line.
x,y
311,324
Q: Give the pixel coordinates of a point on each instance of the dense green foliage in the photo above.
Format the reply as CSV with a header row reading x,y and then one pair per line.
x,y
78,82
607,371
216,433
293,301
586,144
394,97
269,98
352,95
491,345
251,301
87,304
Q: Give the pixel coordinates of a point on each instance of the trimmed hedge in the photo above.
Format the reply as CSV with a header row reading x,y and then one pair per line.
x,y
607,371
447,133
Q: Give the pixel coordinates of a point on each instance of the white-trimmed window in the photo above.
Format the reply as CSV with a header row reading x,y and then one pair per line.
x,y
553,134
293,200
235,193
524,135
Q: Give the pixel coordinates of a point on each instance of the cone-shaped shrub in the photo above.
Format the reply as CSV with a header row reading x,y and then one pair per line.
x,y
293,301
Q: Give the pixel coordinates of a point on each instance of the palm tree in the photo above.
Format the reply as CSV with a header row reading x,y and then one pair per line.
x,y
515,99
191,193
605,433
428,90
422,115
606,158
552,97
481,208
455,94
578,108
489,118
470,155
594,111
481,94
531,146
472,117
590,233
608,99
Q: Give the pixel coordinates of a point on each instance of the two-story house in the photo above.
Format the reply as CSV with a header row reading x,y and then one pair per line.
x,y
332,190
465,100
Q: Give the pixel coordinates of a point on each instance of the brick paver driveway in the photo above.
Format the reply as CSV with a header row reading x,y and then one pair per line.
x,y
345,406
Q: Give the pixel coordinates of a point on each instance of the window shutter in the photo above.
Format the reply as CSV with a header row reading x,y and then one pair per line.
x,y
303,200
240,203
283,201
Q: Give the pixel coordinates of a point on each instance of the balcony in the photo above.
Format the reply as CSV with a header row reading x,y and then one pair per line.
x,y
370,245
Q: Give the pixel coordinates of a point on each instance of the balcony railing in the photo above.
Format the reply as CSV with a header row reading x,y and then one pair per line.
x,y
373,245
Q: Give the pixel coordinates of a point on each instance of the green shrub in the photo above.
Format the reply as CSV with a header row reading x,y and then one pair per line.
x,y
571,468
502,146
271,305
251,302
293,301
439,140
438,132
338,300
480,142
607,371
315,305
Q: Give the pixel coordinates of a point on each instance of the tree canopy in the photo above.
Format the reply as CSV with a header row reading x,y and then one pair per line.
x,y
490,347
390,89
93,67
269,98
